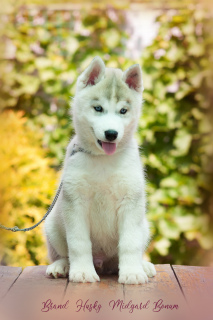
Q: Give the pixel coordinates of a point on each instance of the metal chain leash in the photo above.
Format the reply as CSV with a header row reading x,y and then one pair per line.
x,y
15,229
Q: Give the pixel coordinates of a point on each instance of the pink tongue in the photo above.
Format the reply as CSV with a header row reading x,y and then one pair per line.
x,y
109,148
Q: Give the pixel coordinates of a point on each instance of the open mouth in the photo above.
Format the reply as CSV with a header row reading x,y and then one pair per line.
x,y
108,147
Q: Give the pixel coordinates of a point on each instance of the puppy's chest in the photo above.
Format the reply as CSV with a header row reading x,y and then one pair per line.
x,y
106,190
101,185
105,199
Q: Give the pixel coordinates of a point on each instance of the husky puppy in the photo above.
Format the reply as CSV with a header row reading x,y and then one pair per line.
x,y
99,222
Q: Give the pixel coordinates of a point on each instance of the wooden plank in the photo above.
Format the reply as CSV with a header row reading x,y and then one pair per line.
x,y
29,293
8,276
160,298
197,286
116,301
91,300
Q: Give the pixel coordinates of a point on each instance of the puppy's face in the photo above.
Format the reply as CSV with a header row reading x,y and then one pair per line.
x,y
107,106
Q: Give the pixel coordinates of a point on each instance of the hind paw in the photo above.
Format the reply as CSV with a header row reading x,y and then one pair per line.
x,y
58,269
149,268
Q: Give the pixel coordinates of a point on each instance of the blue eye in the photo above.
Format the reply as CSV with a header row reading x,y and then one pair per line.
x,y
98,109
123,111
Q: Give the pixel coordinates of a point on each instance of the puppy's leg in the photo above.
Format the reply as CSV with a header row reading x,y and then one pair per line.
x,y
52,254
131,241
60,266
147,266
75,212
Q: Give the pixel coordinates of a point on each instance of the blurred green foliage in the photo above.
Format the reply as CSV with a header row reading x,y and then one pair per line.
x,y
175,132
46,50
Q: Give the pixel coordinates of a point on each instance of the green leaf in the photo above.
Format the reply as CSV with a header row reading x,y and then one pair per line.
x,y
162,246
30,84
169,229
182,142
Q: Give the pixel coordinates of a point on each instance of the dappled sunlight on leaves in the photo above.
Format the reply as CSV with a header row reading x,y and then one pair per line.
x,y
27,187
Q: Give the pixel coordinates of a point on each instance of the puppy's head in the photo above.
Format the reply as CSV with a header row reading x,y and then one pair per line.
x,y
107,107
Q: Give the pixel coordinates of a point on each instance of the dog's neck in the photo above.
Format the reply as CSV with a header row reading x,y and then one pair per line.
x,y
77,148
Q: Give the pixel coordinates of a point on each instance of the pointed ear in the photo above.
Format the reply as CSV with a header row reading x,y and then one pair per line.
x,y
93,73
133,78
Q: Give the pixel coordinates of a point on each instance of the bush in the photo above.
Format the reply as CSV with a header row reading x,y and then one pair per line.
x,y
175,132
27,186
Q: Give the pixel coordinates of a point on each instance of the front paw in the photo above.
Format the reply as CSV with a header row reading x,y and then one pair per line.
x,y
133,277
83,275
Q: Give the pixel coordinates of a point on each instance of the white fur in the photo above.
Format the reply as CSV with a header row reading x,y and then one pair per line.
x,y
101,208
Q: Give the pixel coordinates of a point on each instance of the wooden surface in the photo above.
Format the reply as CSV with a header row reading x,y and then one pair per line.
x,y
197,287
176,292
8,276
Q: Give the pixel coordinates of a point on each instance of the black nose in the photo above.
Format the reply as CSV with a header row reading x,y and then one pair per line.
x,y
111,135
